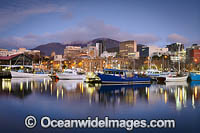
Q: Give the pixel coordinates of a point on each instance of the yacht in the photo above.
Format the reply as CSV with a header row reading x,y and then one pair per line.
x,y
71,74
24,74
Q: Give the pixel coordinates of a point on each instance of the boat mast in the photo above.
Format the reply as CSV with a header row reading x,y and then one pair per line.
x,y
179,62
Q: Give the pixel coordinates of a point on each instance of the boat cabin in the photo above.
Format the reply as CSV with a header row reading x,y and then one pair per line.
x,y
117,72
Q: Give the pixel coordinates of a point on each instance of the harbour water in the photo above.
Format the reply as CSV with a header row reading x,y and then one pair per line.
x,y
67,99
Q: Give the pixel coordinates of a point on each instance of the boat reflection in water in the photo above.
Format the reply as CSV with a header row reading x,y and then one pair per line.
x,y
78,100
178,94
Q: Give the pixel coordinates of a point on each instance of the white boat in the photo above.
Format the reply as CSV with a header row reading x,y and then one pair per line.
x,y
20,74
153,73
176,78
68,84
175,84
70,74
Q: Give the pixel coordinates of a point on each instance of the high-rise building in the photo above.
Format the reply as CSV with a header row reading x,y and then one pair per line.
x,y
128,49
175,47
193,54
101,47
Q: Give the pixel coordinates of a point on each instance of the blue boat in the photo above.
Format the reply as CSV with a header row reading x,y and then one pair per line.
x,y
195,76
105,88
116,76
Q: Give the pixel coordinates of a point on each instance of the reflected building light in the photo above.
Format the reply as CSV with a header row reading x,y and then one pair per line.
x,y
195,92
3,84
41,84
9,86
161,90
177,98
166,97
90,99
193,102
82,87
184,96
51,90
21,86
51,86
27,84
31,85
45,87
146,89
48,81
62,93
148,94
58,93
181,95
44,81
90,90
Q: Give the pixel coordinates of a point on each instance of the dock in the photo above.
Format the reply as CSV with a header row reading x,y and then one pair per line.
x,y
5,74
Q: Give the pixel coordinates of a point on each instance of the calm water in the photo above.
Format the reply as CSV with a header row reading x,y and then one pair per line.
x,y
78,100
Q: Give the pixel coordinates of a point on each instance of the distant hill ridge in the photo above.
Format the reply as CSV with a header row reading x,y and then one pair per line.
x,y
47,49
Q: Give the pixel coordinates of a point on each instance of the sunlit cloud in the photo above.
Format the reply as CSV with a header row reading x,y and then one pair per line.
x,y
85,31
172,38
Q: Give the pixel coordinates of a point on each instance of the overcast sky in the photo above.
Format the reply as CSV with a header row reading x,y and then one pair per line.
x,y
29,23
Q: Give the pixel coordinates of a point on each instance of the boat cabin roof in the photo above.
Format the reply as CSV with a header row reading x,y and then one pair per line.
x,y
115,70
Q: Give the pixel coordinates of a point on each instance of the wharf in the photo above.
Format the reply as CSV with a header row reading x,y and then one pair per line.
x,y
5,74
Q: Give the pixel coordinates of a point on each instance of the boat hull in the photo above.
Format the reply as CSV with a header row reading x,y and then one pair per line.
x,y
174,79
194,76
27,75
62,76
112,79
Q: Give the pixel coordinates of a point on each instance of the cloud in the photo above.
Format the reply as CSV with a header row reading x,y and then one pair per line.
x,y
85,31
17,12
177,38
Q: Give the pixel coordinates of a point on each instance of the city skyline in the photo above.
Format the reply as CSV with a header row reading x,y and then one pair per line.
x,y
32,23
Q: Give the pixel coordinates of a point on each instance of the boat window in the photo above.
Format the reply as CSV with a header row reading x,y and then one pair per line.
x,y
117,72
108,72
68,72
121,73
129,74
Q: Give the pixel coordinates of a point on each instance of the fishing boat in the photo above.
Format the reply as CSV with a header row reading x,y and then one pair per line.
x,y
71,74
116,76
195,76
23,74
162,77
180,75
176,78
153,72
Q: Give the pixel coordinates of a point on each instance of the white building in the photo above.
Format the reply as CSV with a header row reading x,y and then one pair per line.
x,y
105,54
156,51
58,58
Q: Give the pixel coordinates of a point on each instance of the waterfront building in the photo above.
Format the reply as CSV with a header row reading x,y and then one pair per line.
x,y
17,59
92,51
99,64
58,58
100,47
177,52
175,47
3,52
72,51
106,54
193,54
128,49
53,54
149,51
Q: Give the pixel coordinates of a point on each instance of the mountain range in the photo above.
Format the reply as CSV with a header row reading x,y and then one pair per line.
x,y
58,48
